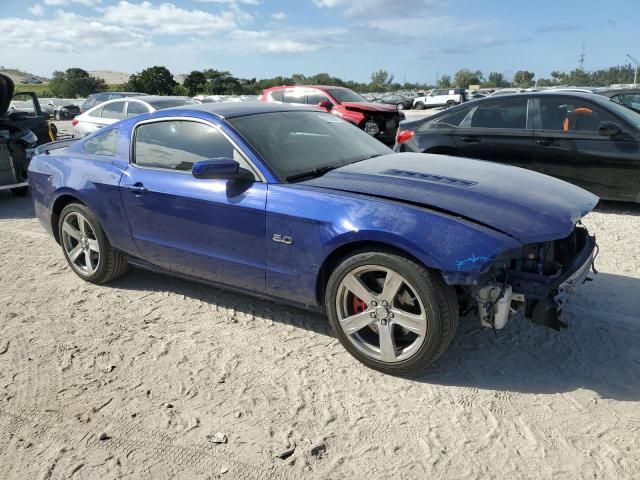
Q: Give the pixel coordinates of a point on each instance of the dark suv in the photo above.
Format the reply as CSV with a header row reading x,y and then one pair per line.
x,y
98,98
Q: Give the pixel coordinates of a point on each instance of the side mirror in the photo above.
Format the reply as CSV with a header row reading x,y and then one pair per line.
x,y
220,168
326,104
609,129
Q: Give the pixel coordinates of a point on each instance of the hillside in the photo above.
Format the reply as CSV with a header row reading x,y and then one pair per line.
x,y
17,75
110,77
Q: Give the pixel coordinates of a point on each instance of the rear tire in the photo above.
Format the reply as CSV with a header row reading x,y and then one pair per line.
x,y
405,321
86,247
450,104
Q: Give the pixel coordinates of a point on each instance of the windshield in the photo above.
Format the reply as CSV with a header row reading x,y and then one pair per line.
x,y
629,115
293,143
176,102
346,95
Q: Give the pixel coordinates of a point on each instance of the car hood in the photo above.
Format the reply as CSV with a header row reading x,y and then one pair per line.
x,y
525,205
369,107
6,93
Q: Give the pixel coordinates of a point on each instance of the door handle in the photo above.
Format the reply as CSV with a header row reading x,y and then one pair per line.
x,y
137,188
548,142
470,140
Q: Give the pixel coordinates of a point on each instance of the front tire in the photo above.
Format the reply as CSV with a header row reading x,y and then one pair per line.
x,y
450,104
419,106
86,247
390,312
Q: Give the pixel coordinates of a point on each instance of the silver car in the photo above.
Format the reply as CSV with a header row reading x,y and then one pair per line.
x,y
110,112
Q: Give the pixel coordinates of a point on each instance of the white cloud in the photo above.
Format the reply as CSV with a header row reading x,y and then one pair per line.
x,y
229,2
279,16
36,10
166,18
379,8
59,3
67,32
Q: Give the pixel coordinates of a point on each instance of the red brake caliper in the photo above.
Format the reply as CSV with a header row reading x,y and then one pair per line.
x,y
358,305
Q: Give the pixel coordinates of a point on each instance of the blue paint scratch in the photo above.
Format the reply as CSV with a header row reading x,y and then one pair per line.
x,y
473,259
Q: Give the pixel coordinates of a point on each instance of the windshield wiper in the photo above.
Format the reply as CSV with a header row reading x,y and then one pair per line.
x,y
368,157
316,172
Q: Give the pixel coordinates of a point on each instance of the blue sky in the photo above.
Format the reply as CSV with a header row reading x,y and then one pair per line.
x,y
412,39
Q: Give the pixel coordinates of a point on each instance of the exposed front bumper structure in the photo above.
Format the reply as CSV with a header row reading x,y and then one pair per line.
x,y
531,285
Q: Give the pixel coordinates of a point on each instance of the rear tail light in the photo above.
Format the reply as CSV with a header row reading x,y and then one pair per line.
x,y
74,122
404,135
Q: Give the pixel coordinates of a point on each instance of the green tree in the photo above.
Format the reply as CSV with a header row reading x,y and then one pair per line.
x,y
465,77
75,82
523,79
381,80
221,82
496,80
195,83
444,81
154,81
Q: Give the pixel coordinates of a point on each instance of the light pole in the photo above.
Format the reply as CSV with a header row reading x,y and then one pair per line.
x,y
635,76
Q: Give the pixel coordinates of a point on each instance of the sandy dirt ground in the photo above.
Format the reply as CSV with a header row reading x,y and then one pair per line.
x,y
156,378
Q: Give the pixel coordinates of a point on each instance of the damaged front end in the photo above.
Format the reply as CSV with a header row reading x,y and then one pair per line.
x,y
536,279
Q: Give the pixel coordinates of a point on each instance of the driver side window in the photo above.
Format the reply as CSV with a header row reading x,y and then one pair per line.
x,y
177,144
572,115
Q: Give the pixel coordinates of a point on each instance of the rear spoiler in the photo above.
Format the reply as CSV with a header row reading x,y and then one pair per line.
x,y
48,147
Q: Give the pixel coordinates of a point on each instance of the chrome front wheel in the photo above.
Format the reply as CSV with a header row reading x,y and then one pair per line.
x,y
381,313
389,311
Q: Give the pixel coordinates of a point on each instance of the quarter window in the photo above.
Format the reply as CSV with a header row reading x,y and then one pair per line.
x,y
114,111
453,120
277,95
135,108
102,144
511,114
294,95
572,115
177,144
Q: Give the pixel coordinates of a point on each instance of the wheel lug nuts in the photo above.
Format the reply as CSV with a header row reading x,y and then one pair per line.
x,y
373,315
374,303
383,321
384,303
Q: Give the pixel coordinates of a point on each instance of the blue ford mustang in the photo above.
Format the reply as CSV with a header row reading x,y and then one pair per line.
x,y
299,206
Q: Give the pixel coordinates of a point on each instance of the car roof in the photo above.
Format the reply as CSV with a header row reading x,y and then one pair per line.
x,y
242,109
319,87
601,99
152,98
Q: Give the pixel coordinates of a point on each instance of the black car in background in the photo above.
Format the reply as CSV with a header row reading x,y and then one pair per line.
x,y
402,102
66,112
582,138
98,98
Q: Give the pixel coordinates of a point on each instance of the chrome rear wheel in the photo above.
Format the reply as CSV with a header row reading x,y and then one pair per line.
x,y
80,244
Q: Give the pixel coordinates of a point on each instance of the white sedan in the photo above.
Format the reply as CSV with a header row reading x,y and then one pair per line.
x,y
110,112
